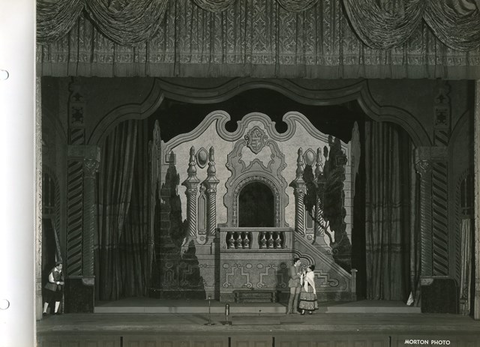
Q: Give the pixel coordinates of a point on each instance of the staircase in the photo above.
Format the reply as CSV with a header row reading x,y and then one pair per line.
x,y
333,283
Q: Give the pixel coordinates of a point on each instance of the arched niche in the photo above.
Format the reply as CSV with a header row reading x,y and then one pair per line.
x,y
256,205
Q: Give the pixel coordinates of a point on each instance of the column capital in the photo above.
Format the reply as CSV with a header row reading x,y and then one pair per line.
x,y
432,153
91,152
91,167
423,166
426,155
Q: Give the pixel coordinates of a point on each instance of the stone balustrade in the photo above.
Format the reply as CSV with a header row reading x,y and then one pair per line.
x,y
246,239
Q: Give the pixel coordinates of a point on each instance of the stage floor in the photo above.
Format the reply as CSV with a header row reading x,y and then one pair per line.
x,y
150,305
259,329
334,322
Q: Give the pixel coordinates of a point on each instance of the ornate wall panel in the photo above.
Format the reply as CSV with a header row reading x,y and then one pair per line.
x,y
77,114
256,337
79,340
164,340
253,271
329,340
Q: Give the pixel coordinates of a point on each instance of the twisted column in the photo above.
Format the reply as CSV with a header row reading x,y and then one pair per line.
x,y
319,221
211,184
299,186
192,188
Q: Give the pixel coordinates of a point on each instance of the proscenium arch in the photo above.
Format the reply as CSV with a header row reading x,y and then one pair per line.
x,y
127,112
358,91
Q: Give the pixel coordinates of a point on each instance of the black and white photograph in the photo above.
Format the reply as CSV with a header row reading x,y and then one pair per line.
x,y
240,173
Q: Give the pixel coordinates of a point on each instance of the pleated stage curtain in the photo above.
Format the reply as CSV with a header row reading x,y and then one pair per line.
x,y
388,225
466,261
124,245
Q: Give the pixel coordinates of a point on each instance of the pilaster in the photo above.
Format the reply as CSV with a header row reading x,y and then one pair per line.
x,y
83,163
433,200
424,168
91,164
476,131
38,200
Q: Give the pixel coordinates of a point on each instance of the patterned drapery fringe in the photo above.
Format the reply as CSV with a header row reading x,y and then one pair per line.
x,y
214,5
256,38
297,5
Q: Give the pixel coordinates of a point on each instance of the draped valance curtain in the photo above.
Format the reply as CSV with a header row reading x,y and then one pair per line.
x,y
385,24
260,38
379,23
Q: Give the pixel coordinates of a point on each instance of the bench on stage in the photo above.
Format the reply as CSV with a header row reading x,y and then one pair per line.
x,y
254,295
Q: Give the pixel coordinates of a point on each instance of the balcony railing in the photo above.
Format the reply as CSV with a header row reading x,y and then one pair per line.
x,y
256,239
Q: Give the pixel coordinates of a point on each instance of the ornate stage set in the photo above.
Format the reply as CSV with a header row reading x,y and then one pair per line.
x,y
212,210
245,207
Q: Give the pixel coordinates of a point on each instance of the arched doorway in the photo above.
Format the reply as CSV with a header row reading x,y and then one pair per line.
x,y
256,206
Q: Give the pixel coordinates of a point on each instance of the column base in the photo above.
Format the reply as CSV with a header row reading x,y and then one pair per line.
x,y
79,295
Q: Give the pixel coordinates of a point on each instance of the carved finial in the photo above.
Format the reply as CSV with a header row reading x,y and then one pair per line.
x,y
300,163
212,154
171,158
192,165
319,165
211,163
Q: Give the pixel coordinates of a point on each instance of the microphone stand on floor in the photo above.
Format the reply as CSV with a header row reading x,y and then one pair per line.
x,y
209,312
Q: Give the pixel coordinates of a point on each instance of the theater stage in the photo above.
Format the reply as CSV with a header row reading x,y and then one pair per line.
x,y
257,326
150,305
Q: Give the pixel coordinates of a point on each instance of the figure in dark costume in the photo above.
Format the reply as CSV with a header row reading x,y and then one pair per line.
x,y
295,286
54,288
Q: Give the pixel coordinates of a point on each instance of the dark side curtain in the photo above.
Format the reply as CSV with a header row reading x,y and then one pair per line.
x,y
389,225
124,244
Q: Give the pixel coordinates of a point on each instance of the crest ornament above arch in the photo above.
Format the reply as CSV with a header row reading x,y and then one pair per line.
x,y
256,139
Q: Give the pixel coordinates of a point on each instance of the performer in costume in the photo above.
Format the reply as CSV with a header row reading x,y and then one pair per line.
x,y
54,288
308,295
295,286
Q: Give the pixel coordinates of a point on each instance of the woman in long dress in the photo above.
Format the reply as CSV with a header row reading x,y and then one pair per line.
x,y
308,295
